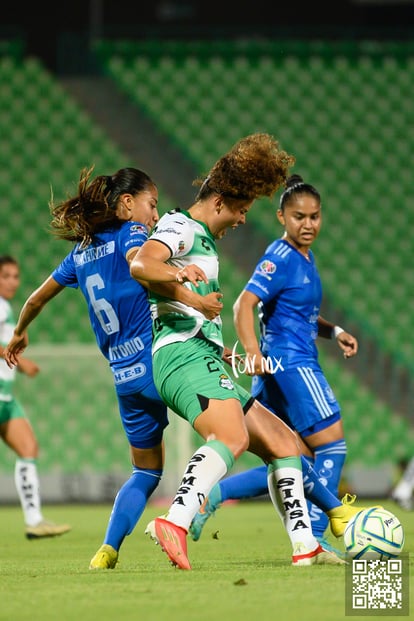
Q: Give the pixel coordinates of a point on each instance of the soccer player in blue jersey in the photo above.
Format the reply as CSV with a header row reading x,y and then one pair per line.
x,y
109,219
285,288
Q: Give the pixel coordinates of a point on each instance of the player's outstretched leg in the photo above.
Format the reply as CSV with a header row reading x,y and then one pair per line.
x,y
206,467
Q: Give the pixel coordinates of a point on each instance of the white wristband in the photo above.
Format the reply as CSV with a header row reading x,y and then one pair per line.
x,y
336,331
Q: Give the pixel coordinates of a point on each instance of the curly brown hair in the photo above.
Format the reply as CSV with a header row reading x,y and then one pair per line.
x,y
254,167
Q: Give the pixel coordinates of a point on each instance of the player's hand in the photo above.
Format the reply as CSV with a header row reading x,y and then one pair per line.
x,y
348,344
14,349
211,305
191,273
230,357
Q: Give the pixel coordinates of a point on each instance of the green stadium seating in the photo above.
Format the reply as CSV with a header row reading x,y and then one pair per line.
x,y
330,103
46,140
333,105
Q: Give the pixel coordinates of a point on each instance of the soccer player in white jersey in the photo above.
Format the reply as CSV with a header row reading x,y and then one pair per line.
x,y
187,354
15,428
285,288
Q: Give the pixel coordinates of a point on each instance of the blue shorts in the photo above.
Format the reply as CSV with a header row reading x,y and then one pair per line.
x,y
300,396
144,417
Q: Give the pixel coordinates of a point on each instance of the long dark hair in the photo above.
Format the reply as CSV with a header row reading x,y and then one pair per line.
x,y
93,209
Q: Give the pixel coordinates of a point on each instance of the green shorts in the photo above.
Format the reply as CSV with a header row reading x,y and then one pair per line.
x,y
187,374
10,409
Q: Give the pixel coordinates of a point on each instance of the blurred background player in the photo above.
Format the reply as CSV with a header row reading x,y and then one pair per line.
x,y
15,428
402,493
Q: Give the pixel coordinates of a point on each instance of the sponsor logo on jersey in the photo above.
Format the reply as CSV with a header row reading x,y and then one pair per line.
x,y
169,229
126,375
259,285
267,267
138,228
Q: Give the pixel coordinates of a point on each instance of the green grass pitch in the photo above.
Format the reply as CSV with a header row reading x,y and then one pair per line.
x,y
241,570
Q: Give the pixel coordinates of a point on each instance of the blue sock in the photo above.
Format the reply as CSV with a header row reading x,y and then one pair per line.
x,y
315,491
129,504
329,462
319,520
321,482
248,484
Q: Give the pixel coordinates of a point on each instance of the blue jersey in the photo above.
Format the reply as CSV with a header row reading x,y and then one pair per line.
x,y
289,287
117,304
290,292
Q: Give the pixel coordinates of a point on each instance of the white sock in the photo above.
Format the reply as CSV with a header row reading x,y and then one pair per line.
x,y
405,486
408,475
28,489
285,482
205,468
403,490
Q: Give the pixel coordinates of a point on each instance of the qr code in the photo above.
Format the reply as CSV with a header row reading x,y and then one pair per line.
x,y
376,587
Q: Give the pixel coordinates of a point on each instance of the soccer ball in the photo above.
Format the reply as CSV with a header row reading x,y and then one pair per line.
x,y
374,534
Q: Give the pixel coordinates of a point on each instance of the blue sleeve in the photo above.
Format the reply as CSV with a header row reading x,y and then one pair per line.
x,y
65,273
131,235
268,278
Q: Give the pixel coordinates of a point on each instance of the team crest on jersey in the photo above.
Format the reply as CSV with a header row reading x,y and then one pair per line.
x,y
267,267
138,228
225,382
181,246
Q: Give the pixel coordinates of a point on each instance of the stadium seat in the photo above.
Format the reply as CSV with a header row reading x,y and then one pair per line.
x,y
330,105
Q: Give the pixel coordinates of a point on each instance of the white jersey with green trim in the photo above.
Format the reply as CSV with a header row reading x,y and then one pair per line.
x,y
7,375
189,241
